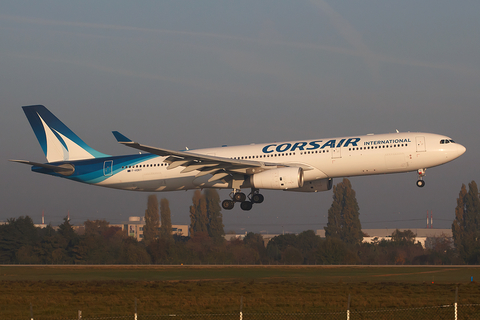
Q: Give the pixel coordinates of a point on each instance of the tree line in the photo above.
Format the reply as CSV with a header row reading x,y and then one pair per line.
x,y
23,243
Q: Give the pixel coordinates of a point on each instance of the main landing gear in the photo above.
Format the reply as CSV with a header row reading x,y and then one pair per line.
x,y
238,196
421,174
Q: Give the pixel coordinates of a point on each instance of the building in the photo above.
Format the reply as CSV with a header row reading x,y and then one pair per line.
x,y
421,234
134,228
41,225
233,236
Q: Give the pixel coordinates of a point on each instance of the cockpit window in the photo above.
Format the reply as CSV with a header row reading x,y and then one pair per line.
x,y
445,141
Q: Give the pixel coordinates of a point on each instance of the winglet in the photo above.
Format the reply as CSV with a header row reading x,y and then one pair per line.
x,y
121,138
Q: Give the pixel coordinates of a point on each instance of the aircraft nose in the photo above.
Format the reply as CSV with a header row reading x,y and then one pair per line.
x,y
461,149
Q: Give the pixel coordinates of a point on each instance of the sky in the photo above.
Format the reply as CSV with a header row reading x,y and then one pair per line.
x,y
196,74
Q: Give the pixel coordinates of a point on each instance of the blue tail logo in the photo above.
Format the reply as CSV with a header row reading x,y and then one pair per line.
x,y
58,142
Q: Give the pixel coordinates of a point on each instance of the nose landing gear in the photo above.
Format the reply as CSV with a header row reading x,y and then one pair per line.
x,y
421,174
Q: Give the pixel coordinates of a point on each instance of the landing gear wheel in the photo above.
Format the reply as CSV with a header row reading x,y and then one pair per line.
x,y
421,174
257,198
239,197
246,205
228,204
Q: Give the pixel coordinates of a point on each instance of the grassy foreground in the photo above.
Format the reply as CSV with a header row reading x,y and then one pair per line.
x,y
59,291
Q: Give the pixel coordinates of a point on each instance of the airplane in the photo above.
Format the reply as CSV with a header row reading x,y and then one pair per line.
x,y
303,166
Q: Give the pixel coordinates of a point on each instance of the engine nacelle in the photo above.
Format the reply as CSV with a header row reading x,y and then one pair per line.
x,y
279,179
315,186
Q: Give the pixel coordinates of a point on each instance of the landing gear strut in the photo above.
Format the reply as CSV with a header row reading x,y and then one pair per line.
x,y
238,196
421,174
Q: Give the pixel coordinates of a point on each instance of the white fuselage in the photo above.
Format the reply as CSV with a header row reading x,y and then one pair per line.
x,y
319,158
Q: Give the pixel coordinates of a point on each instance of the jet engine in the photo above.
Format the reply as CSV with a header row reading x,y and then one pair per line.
x,y
279,179
315,186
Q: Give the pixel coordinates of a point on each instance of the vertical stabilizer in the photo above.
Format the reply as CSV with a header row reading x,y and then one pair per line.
x,y
58,142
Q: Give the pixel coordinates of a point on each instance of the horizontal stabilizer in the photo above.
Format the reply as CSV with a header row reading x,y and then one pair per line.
x,y
65,169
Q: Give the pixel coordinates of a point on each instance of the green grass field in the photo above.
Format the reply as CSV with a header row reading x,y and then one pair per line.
x,y
59,291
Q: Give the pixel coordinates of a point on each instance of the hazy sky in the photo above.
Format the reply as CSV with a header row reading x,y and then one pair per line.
x,y
195,74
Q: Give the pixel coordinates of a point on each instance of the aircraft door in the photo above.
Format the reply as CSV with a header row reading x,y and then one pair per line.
x,y
336,152
420,144
107,168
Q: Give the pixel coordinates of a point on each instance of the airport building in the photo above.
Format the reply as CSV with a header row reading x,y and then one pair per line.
x,y
422,235
134,228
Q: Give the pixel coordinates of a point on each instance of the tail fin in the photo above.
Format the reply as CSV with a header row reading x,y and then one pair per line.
x,y
58,142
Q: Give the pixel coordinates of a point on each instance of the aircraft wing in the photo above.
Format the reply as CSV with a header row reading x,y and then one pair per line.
x,y
219,167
